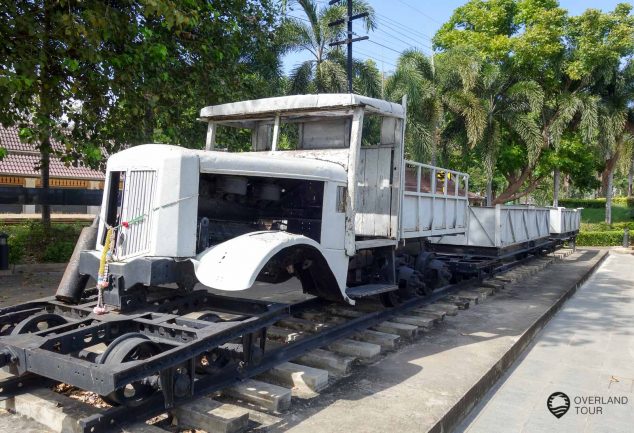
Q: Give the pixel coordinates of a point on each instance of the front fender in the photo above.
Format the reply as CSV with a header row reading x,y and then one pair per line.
x,y
235,264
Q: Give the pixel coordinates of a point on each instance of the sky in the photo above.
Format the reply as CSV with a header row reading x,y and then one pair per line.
x,y
406,24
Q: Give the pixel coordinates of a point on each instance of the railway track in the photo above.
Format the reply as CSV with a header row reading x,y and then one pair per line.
x,y
306,351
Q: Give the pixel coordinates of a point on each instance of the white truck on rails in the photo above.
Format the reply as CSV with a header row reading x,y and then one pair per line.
x,y
325,195
332,211
338,207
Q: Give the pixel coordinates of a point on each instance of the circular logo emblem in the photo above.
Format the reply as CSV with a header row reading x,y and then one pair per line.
x,y
558,404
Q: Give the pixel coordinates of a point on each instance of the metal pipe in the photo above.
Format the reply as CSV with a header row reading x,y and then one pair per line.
x,y
72,285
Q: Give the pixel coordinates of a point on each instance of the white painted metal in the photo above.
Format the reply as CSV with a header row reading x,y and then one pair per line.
x,y
245,111
564,220
276,133
270,164
502,226
210,141
138,202
435,201
374,192
235,264
172,217
354,158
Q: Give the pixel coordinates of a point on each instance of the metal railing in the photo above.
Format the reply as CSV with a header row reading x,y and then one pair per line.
x,y
435,200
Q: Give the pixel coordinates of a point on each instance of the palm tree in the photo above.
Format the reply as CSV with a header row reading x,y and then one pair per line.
x,y
415,76
491,101
458,97
326,70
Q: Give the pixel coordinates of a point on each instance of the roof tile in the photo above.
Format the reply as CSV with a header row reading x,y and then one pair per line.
x,y
22,158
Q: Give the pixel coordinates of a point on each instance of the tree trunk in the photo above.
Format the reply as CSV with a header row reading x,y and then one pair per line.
x,y
608,171
45,157
45,113
434,144
608,198
630,177
489,197
556,177
514,186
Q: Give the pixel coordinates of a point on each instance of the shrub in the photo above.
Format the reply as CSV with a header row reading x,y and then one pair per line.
x,y
588,203
59,252
596,203
603,227
600,239
29,242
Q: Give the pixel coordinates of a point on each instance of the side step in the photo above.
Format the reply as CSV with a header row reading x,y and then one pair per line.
x,y
365,290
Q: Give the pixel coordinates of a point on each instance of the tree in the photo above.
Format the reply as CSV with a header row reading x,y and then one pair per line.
x,y
616,92
536,40
416,77
326,71
461,92
98,74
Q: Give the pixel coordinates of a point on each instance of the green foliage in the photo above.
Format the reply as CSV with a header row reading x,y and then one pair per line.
x,y
575,62
600,239
58,252
31,243
130,72
586,203
326,72
603,226
597,203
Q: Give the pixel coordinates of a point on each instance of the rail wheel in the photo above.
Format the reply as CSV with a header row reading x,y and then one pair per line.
x,y
127,348
38,322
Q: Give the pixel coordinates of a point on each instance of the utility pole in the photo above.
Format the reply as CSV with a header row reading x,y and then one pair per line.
x,y
349,40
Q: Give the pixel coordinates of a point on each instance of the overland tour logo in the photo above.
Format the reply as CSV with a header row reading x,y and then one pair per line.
x,y
558,404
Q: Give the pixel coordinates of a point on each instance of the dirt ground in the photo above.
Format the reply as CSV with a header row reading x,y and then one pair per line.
x,y
27,282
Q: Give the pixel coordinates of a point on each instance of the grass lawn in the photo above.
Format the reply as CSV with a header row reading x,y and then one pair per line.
x,y
595,232
619,214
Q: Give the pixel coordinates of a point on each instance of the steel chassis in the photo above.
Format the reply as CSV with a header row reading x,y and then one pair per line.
x,y
53,354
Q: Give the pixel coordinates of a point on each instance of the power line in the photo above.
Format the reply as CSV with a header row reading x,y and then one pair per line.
x,y
403,26
420,12
377,59
408,44
394,29
390,27
384,46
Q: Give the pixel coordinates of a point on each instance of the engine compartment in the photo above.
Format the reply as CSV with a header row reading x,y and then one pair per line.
x,y
230,206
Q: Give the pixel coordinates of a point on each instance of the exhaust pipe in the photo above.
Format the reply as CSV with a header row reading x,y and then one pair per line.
x,y
73,283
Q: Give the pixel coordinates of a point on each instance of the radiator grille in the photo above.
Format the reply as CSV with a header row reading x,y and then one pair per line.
x,y
138,200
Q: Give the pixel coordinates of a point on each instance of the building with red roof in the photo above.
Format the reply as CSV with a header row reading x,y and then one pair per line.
x,y
18,168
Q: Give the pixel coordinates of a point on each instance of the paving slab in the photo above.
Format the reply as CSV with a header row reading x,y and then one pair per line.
x,y
430,385
587,350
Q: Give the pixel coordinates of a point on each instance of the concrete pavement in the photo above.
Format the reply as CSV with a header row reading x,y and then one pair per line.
x,y
585,352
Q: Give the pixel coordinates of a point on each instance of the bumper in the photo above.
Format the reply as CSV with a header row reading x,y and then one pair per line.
x,y
148,271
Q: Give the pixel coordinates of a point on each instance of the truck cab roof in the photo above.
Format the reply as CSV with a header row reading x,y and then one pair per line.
x,y
245,114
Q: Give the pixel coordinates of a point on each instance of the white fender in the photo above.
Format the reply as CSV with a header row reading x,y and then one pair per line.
x,y
235,264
